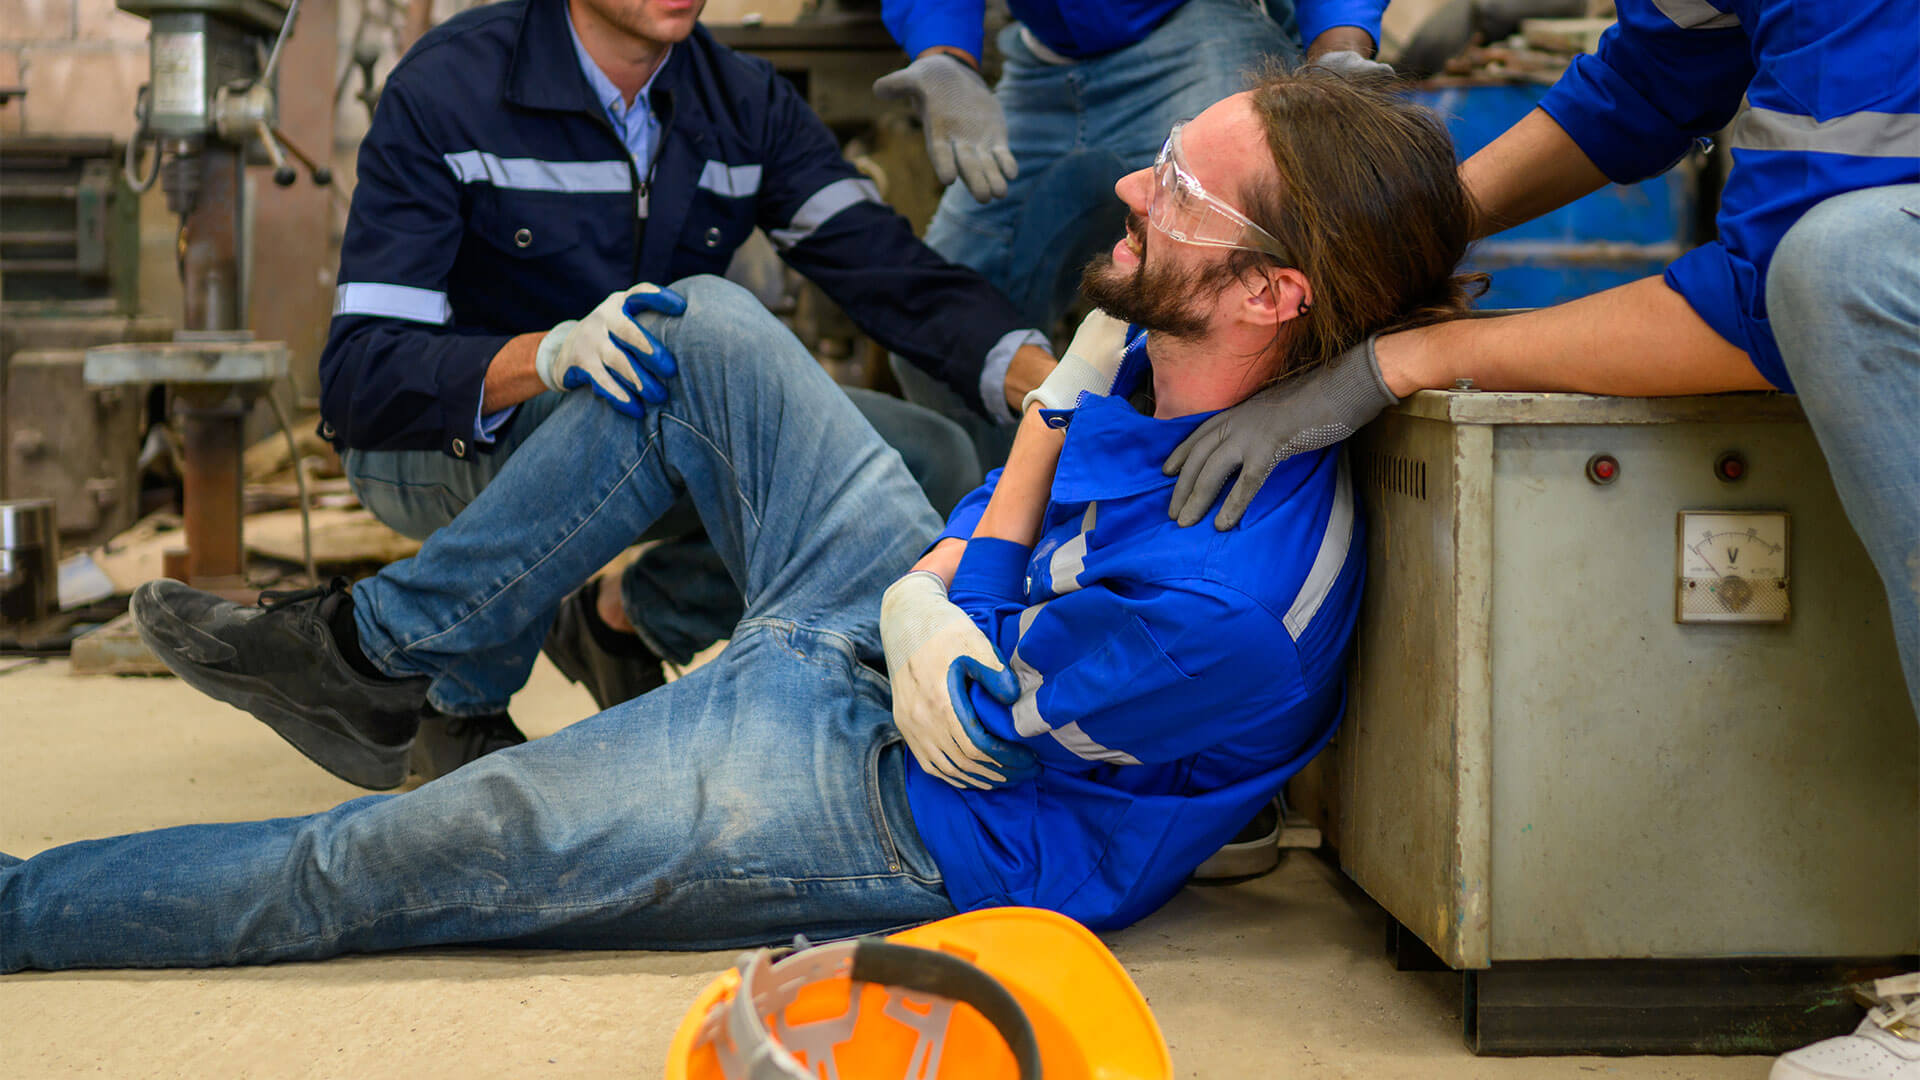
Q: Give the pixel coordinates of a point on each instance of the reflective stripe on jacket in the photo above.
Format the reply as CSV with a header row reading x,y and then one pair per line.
x,y
494,198
1171,679
1823,98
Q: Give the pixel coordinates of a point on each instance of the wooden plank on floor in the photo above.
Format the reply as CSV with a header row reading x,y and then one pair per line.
x,y
115,649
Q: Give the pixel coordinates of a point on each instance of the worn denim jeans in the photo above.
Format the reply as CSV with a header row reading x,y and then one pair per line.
x,y
1075,129
677,593
1843,297
761,796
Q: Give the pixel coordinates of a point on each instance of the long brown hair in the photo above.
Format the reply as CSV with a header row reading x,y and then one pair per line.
x,y
1368,205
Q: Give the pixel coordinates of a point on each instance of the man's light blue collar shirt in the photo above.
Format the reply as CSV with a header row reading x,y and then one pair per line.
x,y
639,129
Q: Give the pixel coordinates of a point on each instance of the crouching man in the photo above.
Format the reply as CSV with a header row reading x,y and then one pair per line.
x,y
1093,699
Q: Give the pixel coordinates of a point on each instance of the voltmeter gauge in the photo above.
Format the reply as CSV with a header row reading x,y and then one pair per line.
x,y
1733,567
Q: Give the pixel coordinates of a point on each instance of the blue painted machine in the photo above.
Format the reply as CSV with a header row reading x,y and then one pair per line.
x,y
1616,235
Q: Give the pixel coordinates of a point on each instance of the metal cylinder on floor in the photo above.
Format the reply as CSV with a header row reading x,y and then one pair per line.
x,y
29,561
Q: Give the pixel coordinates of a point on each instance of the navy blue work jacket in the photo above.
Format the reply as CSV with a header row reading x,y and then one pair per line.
x,y
495,198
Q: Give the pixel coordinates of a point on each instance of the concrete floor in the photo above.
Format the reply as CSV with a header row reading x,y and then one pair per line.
x,y
1279,977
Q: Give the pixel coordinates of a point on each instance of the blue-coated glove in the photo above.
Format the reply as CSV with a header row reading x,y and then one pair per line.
x,y
1015,760
610,351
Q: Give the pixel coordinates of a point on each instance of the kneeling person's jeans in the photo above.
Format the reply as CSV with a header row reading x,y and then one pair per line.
x,y
677,593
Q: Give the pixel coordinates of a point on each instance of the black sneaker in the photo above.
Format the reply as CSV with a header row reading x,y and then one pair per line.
x,y
294,662
446,742
615,667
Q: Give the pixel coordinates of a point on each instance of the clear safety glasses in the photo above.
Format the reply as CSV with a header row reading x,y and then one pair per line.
x,y
1182,209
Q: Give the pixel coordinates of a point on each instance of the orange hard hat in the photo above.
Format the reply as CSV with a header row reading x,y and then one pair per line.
x,y
998,994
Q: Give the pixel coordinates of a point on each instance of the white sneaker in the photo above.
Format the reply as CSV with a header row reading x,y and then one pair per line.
x,y
1886,1045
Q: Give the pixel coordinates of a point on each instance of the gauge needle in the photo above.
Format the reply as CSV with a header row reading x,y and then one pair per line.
x,y
1704,559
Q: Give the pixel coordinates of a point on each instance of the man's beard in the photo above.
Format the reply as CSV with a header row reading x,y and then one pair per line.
x,y
1160,299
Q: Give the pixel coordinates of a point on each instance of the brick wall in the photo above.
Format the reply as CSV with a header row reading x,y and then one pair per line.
x,y
82,61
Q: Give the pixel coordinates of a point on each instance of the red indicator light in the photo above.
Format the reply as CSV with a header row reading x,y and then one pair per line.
x,y
1603,468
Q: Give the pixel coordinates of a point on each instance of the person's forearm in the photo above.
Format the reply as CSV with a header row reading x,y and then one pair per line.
x,y
1638,340
1019,502
943,559
510,376
1341,39
1025,372
1533,168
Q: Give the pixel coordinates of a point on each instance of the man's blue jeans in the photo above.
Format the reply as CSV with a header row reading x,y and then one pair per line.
x,y
1075,130
1843,297
677,594
761,796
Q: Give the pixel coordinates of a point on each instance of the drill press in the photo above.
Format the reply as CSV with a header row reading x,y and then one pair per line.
x,y
210,104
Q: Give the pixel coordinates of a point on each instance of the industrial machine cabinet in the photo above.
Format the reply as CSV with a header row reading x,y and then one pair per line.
x,y
1628,741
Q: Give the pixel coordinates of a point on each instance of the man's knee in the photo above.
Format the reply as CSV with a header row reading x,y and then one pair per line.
x,y
1841,253
716,305
722,320
711,291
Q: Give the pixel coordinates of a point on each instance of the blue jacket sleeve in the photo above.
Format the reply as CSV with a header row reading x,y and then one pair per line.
x,y
1318,16
1146,676
919,25
1654,86
828,222
395,373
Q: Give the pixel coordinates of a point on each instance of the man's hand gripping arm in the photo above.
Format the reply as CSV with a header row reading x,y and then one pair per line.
x,y
934,649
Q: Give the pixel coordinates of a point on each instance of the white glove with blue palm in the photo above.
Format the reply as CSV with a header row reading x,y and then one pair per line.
x,y
610,351
934,654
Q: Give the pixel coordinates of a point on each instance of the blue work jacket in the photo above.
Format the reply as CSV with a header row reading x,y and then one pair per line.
x,y
1823,98
1171,679
1084,28
495,198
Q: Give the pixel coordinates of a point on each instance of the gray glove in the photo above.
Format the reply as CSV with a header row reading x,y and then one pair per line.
x,y
1351,65
966,129
1291,417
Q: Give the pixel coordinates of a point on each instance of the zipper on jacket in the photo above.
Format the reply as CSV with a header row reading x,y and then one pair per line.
x,y
643,185
640,188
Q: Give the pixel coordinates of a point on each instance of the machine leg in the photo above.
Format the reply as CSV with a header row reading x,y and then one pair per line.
x,y
1733,1006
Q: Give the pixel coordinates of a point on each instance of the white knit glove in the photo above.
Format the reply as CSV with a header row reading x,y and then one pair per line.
x,y
1091,364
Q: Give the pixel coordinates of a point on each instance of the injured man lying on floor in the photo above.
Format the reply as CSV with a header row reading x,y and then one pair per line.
x,y
1060,699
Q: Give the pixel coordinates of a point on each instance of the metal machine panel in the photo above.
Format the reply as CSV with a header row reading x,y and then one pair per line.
x,y
1628,787
1418,842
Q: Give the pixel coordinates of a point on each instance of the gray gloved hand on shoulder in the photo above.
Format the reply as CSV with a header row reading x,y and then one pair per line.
x,y
966,128
1306,412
